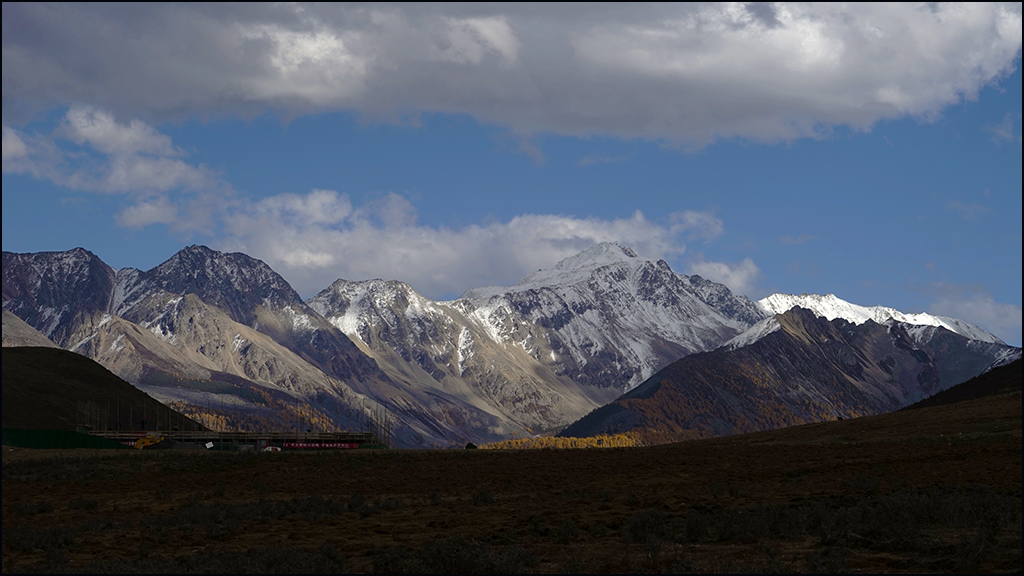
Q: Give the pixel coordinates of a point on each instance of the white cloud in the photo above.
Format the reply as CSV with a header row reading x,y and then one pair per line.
x,y
741,278
685,74
697,225
91,151
976,305
14,148
470,39
317,237
97,128
147,212
317,207
381,239
29,154
313,65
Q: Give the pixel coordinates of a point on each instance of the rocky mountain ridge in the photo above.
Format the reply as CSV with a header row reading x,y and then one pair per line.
x,y
496,362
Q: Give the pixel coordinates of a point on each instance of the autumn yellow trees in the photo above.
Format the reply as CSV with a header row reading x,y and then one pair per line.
x,y
555,442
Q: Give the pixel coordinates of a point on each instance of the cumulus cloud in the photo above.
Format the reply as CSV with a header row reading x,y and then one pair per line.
x,y
381,239
317,237
29,154
316,208
684,74
14,148
108,156
741,277
147,212
97,128
976,304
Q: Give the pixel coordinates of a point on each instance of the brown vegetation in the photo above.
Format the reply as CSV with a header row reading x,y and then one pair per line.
x,y
930,490
559,443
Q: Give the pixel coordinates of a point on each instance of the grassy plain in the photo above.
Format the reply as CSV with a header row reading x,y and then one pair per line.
x,y
930,490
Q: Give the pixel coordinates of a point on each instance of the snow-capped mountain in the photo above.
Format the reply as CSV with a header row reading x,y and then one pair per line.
x,y
610,317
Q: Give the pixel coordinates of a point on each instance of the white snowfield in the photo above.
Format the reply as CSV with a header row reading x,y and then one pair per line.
x,y
830,307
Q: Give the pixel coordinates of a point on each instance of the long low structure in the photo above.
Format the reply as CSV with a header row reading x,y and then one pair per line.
x,y
258,440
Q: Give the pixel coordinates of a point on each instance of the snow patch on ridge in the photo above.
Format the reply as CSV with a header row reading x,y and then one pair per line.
x,y
572,270
465,349
348,323
755,333
83,341
831,307
300,322
1004,357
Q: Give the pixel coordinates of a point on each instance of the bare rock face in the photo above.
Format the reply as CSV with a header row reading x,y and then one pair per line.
x,y
17,333
48,290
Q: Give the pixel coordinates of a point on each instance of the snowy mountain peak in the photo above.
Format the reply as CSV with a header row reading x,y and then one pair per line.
x,y
596,256
831,307
582,266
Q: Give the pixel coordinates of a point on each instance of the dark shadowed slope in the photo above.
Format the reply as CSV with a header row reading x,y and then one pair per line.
x,y
48,389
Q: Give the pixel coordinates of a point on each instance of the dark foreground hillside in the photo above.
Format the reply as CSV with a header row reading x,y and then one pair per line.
x,y
53,389
931,490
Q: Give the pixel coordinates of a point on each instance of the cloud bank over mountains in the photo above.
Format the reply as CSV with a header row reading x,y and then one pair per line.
x,y
685,74
383,239
317,237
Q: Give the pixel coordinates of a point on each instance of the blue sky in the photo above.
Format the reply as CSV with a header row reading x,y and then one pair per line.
x,y
871,152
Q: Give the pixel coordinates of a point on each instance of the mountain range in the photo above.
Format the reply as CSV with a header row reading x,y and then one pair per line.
x,y
225,334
